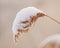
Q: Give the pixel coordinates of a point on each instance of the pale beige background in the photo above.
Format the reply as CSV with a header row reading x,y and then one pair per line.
x,y
43,27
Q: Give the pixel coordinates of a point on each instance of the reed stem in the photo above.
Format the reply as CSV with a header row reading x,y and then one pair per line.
x,y
53,19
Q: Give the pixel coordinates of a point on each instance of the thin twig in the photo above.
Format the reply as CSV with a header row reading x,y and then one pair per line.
x,y
53,19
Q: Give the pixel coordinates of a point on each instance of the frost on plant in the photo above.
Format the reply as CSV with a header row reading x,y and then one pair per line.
x,y
51,42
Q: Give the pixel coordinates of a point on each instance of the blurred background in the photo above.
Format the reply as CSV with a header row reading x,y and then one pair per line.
x,y
44,26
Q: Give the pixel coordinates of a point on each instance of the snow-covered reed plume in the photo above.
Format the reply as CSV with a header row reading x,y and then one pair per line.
x,y
25,19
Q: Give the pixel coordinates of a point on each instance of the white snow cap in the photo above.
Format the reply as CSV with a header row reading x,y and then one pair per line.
x,y
53,39
24,15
